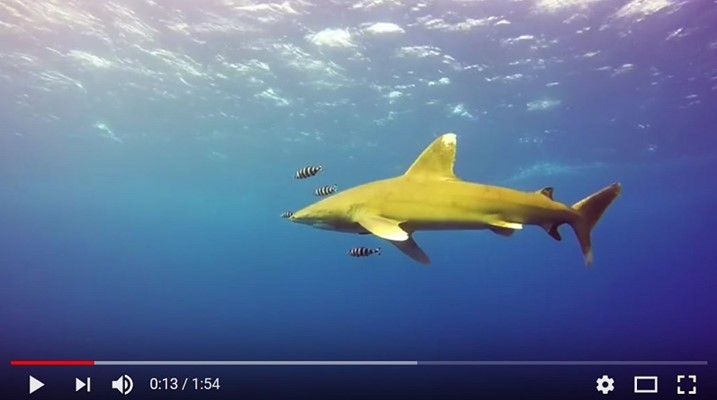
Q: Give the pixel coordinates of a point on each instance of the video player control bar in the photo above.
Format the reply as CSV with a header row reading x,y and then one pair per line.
x,y
351,363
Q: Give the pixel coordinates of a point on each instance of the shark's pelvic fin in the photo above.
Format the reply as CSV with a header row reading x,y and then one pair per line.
x,y
410,248
503,231
547,192
383,227
436,161
552,230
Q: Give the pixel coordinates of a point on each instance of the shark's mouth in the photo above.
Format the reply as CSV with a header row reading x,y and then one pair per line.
x,y
323,225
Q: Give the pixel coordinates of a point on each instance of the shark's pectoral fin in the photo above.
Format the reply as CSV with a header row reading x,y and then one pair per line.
x,y
506,224
410,248
383,227
503,231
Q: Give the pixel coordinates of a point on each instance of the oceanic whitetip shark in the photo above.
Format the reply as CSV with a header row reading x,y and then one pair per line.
x,y
429,196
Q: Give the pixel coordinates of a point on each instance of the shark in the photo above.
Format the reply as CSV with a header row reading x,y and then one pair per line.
x,y
430,197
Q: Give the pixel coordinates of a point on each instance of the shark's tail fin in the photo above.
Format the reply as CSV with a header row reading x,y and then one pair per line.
x,y
590,210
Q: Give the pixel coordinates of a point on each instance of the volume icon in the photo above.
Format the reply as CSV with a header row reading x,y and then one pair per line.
x,y
79,385
123,384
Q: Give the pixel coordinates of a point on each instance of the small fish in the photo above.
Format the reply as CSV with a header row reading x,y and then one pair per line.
x,y
325,190
308,172
287,214
363,251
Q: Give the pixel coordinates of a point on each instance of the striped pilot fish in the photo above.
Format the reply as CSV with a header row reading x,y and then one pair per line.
x,y
308,171
287,214
325,190
363,251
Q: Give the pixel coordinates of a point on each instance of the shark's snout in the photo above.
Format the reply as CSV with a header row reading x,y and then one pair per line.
x,y
300,217
311,217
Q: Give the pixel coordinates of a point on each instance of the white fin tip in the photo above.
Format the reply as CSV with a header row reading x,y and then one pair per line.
x,y
449,139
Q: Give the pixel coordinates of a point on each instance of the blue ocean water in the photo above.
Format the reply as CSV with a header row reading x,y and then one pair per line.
x,y
147,149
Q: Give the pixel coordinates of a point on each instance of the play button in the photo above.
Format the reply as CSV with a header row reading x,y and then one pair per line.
x,y
35,384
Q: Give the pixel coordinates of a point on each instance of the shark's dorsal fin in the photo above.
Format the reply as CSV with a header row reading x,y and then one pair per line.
x,y
547,192
383,227
436,161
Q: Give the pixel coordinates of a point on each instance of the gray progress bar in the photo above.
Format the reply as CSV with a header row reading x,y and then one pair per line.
x,y
405,363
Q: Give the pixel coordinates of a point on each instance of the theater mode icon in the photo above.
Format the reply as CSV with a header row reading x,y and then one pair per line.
x,y
645,384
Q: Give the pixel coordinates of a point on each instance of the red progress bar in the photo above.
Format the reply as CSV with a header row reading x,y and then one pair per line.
x,y
52,362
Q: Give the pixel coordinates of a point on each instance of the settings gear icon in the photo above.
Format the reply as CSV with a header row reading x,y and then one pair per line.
x,y
605,384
